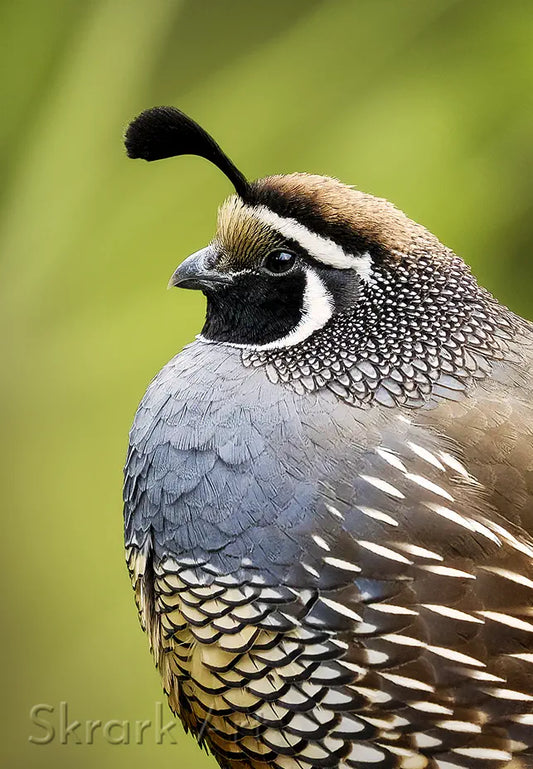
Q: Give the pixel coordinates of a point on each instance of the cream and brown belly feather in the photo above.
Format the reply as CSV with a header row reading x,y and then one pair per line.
x,y
258,674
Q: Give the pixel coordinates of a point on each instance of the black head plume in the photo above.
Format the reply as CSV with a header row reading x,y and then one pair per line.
x,y
164,132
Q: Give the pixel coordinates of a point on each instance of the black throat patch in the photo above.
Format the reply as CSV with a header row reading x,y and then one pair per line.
x,y
256,309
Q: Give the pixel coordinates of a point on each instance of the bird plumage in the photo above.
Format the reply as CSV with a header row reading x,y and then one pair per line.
x,y
331,540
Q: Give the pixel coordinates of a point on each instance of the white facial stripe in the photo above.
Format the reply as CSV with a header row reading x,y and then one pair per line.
x,y
317,309
322,249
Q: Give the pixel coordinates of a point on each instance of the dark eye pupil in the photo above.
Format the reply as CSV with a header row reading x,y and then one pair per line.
x,y
279,261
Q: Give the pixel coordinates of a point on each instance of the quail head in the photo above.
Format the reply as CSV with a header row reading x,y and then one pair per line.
x,y
329,493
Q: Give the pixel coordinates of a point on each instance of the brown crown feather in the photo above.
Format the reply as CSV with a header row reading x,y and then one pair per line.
x,y
375,220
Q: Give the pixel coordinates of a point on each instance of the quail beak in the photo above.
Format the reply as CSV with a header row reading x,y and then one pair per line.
x,y
197,272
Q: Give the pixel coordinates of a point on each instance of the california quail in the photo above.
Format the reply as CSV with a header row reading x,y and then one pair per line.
x,y
329,494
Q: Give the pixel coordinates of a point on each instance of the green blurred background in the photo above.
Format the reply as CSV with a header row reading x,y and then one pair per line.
x,y
426,103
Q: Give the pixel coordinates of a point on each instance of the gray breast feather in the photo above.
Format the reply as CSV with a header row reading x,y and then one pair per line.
x,y
225,468
206,470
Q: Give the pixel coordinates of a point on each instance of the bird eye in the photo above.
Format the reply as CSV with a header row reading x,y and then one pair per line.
x,y
278,262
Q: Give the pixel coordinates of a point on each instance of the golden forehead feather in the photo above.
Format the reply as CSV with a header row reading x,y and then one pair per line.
x,y
241,238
